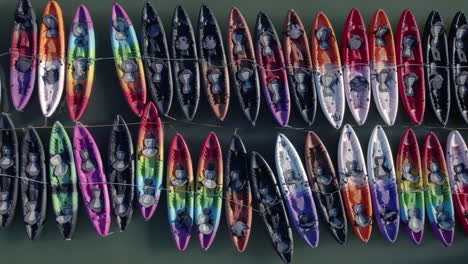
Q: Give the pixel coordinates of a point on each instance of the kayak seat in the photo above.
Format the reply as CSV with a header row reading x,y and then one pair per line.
x,y
214,77
385,80
23,65
157,67
238,38
358,84
87,164
239,229
244,75
51,24
147,199
80,66
355,42
380,35
409,43
323,34
32,215
186,78
329,82
60,166
274,87
300,77
461,39
294,31
408,174
96,203
129,67
121,27
267,42
33,169
437,31
411,80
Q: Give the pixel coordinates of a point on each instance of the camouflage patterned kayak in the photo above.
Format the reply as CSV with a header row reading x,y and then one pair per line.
x,y
438,196
180,187
209,190
410,186
128,61
150,158
62,175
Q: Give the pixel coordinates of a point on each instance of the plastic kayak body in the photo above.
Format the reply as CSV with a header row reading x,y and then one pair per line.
x,y
384,79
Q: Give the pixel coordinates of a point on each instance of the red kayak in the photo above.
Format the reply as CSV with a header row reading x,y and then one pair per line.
x,y
356,72
410,67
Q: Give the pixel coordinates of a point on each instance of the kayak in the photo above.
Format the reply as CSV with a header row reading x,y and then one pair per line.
x,y
383,184
9,165
410,186
150,161
238,194
121,170
271,206
410,63
93,183
209,190
384,79
63,180
459,61
273,76
296,191
325,187
437,195
355,188
457,163
180,192
436,58
51,74
33,183
214,70
356,70
80,62
156,61
243,65
23,50
299,62
328,74
127,57
185,67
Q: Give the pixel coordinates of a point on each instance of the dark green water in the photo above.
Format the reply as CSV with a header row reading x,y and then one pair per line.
x,y
151,242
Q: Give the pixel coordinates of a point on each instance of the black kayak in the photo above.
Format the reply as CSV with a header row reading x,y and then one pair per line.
x,y
158,70
214,70
185,67
459,62
437,72
271,206
9,171
121,171
33,183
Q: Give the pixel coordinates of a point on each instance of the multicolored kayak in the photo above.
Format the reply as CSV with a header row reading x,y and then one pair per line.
x,y
383,184
158,70
62,174
438,196
243,65
23,54
9,165
51,75
180,192
238,194
457,164
459,61
150,161
410,186
127,59
299,62
93,183
271,206
214,70
186,69
355,188
273,75
209,190
121,171
325,187
80,62
296,191
33,183
384,79
356,70
436,58
328,74
410,63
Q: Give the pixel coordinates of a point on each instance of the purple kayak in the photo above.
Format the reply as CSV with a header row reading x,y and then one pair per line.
x,y
296,191
23,48
274,78
92,179
383,186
